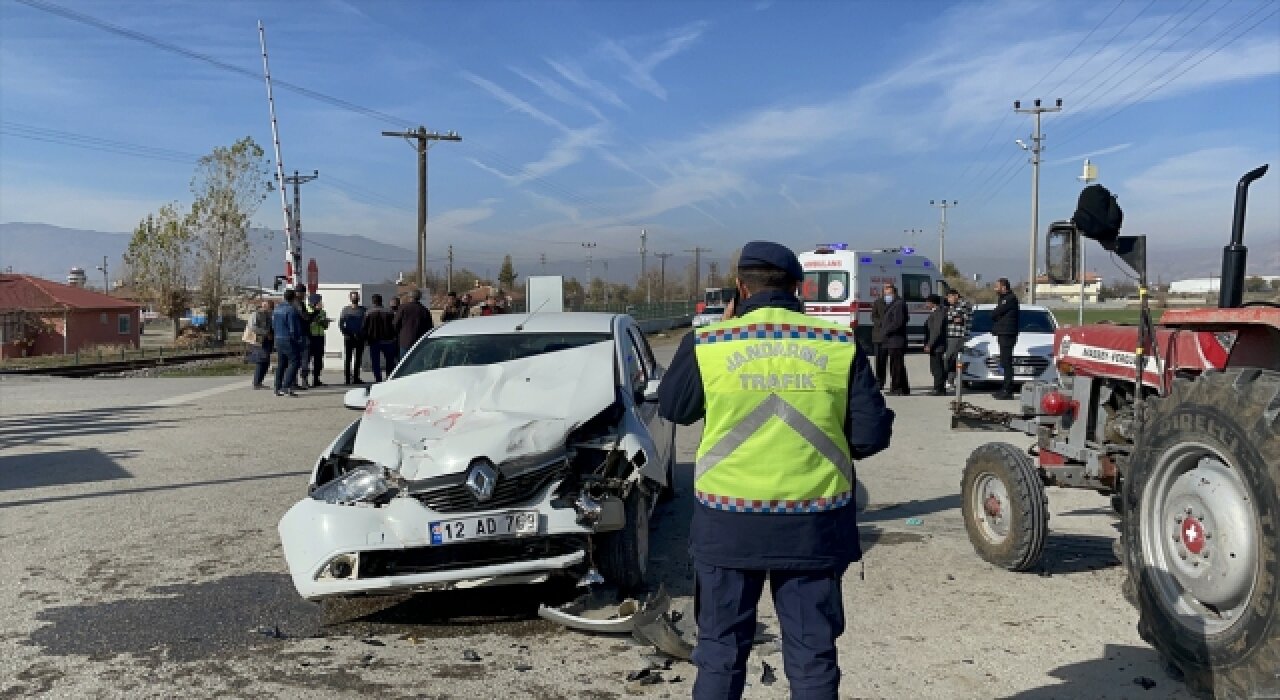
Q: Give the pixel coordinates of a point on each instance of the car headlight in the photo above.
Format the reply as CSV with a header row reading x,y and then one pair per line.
x,y
364,483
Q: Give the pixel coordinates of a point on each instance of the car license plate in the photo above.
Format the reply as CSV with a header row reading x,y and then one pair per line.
x,y
512,524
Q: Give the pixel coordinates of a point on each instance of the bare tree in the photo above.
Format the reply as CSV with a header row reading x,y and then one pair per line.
x,y
229,185
157,262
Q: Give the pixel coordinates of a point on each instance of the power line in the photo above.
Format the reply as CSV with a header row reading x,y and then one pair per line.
x,y
1102,48
1126,102
1073,50
70,14
96,143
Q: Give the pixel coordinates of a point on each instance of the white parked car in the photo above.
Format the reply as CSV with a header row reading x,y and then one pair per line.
x,y
503,449
1032,356
708,316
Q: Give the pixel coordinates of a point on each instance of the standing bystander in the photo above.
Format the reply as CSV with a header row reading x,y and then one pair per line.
x,y
319,326
1004,326
379,329
260,325
959,314
290,337
894,326
412,321
350,322
935,343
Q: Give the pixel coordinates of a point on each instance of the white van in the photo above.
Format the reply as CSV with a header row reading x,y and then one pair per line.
x,y
840,285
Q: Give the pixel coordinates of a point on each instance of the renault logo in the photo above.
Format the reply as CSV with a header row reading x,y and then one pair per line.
x,y
482,481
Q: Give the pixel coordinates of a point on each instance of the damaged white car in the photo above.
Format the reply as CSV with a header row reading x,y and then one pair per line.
x,y
502,450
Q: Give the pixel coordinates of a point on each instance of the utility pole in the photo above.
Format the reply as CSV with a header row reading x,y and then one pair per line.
x,y
295,179
648,291
1035,149
424,138
697,267
449,280
106,281
1088,176
713,274
662,276
944,205
542,258
588,246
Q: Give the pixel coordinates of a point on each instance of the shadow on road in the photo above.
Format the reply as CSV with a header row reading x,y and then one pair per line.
x,y
26,430
1122,672
909,509
150,489
34,470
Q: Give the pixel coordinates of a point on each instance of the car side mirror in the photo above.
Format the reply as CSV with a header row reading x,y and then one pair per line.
x,y
356,398
650,392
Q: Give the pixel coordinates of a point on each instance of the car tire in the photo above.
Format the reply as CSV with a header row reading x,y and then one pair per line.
x,y
622,556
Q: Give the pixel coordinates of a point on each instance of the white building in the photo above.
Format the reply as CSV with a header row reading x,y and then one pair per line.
x,y
1070,291
1207,285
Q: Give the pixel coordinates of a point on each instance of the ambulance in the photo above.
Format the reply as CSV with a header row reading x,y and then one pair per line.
x,y
840,285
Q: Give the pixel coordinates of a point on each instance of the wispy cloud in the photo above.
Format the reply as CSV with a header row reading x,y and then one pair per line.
x,y
575,75
639,71
1091,154
512,101
558,92
562,153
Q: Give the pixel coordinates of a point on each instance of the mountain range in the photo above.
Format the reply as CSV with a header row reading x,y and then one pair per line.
x,y
51,251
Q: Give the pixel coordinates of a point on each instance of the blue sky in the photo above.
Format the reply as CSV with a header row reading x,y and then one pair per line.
x,y
705,123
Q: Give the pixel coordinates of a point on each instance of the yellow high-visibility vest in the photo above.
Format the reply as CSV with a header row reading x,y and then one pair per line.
x,y
777,393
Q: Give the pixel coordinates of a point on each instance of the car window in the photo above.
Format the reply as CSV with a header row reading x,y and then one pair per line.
x,y
646,352
632,365
713,311
825,285
439,352
1028,322
916,287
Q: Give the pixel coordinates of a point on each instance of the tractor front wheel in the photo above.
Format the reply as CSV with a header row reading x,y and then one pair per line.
x,y
1004,506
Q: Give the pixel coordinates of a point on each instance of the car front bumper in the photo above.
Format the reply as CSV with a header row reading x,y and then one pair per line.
x,y
389,548
976,369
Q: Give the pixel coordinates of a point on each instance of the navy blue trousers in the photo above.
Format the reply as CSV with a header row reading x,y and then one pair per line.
x,y
809,608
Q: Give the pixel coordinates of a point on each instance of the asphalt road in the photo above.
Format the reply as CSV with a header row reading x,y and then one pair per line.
x,y
140,559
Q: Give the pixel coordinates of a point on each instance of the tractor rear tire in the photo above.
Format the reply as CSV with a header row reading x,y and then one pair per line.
x,y
1004,505
1202,531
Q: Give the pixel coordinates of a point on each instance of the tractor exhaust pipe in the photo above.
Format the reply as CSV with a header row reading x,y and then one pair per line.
x,y
1235,255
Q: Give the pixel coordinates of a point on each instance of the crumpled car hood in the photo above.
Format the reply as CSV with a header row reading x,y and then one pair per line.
x,y
435,423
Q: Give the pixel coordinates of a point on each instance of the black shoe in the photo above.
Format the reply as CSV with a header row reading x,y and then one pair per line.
x,y
317,382
291,394
357,380
279,393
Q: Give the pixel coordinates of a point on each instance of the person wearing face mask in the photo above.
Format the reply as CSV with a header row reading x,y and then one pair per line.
x,y
894,327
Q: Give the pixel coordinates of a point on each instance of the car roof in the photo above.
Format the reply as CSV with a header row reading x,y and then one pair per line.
x,y
1021,307
545,322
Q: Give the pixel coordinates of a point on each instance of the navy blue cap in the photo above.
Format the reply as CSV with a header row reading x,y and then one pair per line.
x,y
757,254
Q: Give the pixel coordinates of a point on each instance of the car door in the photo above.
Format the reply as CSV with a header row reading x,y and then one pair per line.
x,y
642,373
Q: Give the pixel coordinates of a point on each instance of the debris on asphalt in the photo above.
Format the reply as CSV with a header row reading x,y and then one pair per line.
x,y
656,627
767,676
273,632
521,668
951,577
1146,683
367,659
915,521
589,614
470,655
637,675
675,679
374,642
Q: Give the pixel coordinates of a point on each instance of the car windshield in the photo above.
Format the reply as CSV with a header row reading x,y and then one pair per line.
x,y
1028,322
463,350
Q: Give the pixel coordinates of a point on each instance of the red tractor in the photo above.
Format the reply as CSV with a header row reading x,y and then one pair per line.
x,y
1180,423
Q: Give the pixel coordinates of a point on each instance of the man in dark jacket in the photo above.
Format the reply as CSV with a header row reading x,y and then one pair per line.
x,y
774,483
290,338
351,323
877,337
452,308
379,330
1004,326
894,327
935,343
304,354
412,321
959,315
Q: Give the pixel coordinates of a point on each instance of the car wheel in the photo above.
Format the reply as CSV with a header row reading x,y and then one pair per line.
x,y
622,556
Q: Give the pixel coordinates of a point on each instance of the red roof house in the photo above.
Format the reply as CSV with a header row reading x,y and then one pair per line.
x,y
42,317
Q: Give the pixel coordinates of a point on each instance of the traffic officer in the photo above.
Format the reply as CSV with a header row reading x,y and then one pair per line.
x,y
788,403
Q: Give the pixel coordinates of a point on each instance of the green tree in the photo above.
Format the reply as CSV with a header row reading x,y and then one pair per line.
x,y
573,293
507,274
229,185
950,271
158,261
